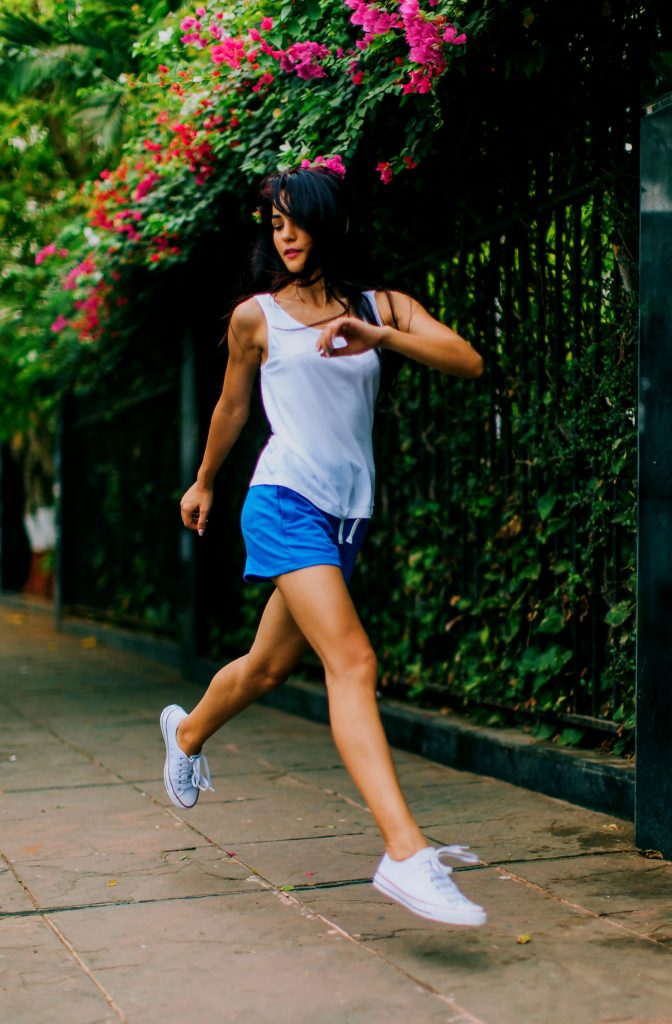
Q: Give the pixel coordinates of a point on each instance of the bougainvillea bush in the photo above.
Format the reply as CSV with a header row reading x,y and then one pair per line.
x,y
228,93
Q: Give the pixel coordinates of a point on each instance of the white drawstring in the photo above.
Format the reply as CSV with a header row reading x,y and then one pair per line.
x,y
351,536
352,531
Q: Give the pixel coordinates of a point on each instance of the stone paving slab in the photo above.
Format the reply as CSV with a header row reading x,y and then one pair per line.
x,y
566,971
181,873
41,983
256,905
245,958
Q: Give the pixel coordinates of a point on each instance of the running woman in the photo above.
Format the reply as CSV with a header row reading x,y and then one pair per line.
x,y
318,341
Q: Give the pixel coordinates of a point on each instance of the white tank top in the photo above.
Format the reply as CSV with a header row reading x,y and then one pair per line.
x,y
320,412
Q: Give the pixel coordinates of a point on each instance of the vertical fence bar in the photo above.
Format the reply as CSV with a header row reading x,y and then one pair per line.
x,y
653,792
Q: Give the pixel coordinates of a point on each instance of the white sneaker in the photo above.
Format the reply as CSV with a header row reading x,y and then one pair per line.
x,y
422,883
184,775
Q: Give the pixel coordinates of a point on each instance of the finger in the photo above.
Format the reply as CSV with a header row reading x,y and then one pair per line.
x,y
202,523
325,341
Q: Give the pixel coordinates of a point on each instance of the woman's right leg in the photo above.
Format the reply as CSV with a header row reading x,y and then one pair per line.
x,y
277,647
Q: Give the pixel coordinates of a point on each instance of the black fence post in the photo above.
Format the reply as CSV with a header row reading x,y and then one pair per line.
x,y
653,794
188,455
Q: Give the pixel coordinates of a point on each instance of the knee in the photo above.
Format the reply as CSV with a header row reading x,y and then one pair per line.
x,y
357,666
267,676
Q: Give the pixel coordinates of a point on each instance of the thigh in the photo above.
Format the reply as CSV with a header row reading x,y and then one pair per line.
x,y
320,604
279,642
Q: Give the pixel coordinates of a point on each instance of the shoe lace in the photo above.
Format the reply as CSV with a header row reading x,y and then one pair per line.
x,y
193,770
440,873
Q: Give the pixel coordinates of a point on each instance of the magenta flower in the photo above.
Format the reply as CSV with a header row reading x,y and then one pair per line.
x,y
266,24
304,59
386,173
87,266
230,51
146,185
451,36
333,163
59,324
48,250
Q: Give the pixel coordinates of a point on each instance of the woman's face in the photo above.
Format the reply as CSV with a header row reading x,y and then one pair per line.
x,y
292,242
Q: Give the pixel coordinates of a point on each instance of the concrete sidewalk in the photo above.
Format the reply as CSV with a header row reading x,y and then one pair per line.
x,y
256,905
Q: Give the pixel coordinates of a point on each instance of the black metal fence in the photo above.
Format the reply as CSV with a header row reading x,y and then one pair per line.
x,y
526,476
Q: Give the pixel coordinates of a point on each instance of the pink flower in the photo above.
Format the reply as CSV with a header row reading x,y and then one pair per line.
x,y
374,21
230,51
451,36
419,82
266,24
304,59
409,8
255,34
59,324
87,266
263,80
333,163
48,250
200,12
146,185
386,173
410,163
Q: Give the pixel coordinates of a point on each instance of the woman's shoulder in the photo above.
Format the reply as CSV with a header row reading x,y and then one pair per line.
x,y
248,313
248,324
395,307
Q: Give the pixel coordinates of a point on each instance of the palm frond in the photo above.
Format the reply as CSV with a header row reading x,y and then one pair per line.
x,y
102,118
21,30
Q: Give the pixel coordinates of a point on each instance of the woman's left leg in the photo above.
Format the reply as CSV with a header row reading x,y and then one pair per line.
x,y
411,872
322,608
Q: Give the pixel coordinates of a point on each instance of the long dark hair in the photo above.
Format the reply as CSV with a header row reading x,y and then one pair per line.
x,y
317,200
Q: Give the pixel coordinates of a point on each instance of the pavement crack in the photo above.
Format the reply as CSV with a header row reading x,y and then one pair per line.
x,y
580,909
44,915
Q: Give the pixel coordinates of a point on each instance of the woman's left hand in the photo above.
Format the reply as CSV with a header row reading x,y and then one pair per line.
x,y
348,336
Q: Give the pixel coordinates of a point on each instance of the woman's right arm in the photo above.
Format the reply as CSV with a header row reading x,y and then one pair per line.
x,y
230,413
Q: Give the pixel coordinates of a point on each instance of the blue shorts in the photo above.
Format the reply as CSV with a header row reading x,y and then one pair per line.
x,y
283,531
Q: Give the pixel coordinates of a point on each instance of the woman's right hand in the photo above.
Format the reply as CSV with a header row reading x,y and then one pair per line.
x,y
195,506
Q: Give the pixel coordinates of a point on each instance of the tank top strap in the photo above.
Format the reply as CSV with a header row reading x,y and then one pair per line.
x,y
371,296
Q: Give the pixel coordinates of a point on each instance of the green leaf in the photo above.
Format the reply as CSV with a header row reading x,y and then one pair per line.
x,y
546,503
619,613
552,622
570,737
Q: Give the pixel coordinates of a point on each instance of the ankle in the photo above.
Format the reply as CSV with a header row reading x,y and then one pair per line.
x,y
403,849
186,741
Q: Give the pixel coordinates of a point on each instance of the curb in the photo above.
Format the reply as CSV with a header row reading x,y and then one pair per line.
x,y
596,781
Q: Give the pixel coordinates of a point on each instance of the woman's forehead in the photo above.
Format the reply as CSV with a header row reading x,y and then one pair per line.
x,y
282,209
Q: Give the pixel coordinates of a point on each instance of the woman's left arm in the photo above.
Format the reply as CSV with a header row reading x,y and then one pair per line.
x,y
416,335
426,340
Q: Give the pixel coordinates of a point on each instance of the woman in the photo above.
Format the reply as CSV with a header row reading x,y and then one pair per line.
x,y
318,341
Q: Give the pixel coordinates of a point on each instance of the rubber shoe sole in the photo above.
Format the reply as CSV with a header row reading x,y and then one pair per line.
x,y
464,916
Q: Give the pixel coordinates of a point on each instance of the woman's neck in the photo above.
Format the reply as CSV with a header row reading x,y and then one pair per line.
x,y
312,293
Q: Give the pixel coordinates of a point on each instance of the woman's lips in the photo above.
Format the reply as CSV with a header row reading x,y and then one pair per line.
x,y
291,252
